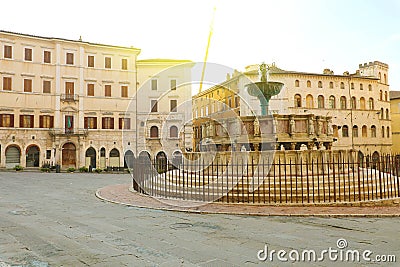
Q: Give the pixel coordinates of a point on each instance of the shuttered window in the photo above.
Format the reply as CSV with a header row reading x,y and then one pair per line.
x,y
6,120
26,121
90,123
108,123
46,121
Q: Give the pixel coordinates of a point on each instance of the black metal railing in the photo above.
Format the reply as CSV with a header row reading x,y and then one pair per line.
x,y
270,179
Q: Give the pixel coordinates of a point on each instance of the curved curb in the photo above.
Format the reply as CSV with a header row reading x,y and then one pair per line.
x,y
122,195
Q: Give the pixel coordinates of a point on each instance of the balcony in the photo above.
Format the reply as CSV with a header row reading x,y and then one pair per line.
x,y
68,132
69,97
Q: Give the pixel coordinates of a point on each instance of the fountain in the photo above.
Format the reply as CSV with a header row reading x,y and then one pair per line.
x,y
264,89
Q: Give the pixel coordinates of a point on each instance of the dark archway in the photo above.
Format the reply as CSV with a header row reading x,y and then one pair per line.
x,y
91,157
129,159
161,162
32,156
177,159
102,158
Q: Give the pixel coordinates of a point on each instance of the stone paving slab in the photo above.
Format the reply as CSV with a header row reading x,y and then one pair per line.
x,y
123,194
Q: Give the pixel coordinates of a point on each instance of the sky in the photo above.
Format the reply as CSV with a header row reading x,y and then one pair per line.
x,y
298,35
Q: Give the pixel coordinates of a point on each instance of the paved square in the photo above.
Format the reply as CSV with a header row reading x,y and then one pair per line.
x,y
56,220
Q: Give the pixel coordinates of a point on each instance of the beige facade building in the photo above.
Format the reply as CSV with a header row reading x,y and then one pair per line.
x,y
356,106
395,119
71,102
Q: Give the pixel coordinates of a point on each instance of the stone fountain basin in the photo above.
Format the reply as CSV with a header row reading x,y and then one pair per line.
x,y
265,89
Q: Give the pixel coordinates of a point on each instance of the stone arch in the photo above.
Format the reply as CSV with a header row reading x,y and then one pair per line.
x,y
13,156
32,156
68,155
90,157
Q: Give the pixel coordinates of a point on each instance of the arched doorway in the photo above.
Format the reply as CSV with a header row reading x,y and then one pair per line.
x,y
114,158
129,159
90,157
102,158
177,159
161,162
375,159
13,156
360,158
69,155
32,156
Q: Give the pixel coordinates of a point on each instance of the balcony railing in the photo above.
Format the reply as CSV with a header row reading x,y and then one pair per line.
x,y
69,97
66,131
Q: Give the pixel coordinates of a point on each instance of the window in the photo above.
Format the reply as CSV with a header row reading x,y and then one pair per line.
x,y
353,103
154,106
383,131
384,79
308,83
7,83
27,85
321,101
47,87
6,120
46,121
48,154
332,102
382,115
154,83
386,96
90,122
173,103
124,64
380,77
355,131
172,84
380,95
107,62
90,61
173,132
70,59
296,83
107,123
124,91
319,84
309,101
124,123
26,121
342,85
154,132
46,56
362,103
352,86
90,89
297,101
107,90
7,51
373,131
331,85
361,86
28,54
343,102
387,114
388,132
335,131
371,103
345,131
69,89
369,87
364,131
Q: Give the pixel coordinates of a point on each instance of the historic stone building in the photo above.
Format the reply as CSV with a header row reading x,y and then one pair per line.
x,y
354,108
69,102
395,119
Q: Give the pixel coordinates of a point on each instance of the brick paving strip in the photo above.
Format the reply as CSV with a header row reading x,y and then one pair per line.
x,y
122,194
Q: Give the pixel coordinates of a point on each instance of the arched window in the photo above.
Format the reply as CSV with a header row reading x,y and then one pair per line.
x,y
388,132
380,77
384,79
371,103
297,101
173,132
382,115
345,131
355,131
154,132
353,103
332,101
335,131
308,83
383,131
319,84
369,87
362,103
309,101
361,86
364,131
373,131
386,96
331,85
380,95
321,101
296,83
387,114
342,85
352,85
343,102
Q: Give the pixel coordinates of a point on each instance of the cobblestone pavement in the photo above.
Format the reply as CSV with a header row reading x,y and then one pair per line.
x,y
56,220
